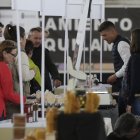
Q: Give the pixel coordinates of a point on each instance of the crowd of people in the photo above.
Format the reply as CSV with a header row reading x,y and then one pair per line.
x,y
125,80
31,50
126,60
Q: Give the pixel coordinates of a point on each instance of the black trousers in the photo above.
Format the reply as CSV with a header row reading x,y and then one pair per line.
x,y
2,117
121,105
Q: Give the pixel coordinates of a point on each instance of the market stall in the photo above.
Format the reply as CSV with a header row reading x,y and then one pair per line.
x,y
47,8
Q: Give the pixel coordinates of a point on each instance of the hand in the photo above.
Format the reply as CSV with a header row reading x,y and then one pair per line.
x,y
112,79
56,83
128,109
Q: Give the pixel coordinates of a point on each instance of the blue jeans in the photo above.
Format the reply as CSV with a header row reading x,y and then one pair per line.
x,y
136,106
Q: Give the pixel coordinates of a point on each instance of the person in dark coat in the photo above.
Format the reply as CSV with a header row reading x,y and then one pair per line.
x,y
127,127
35,83
35,36
133,74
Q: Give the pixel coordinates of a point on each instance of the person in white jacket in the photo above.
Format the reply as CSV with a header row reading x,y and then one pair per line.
x,y
27,73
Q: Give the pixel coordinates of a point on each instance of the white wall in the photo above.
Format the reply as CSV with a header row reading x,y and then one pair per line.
x,y
125,3
5,3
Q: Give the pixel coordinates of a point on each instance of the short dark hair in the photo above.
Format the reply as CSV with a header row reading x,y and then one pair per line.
x,y
105,25
125,124
38,29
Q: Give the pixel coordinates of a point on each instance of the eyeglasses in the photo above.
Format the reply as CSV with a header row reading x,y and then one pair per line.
x,y
14,55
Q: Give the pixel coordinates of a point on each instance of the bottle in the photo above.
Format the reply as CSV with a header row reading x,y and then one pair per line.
x,y
35,112
28,112
95,80
87,81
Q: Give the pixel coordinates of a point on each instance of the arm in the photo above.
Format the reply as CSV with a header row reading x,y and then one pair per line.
x,y
51,66
7,85
124,51
52,69
112,79
27,74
